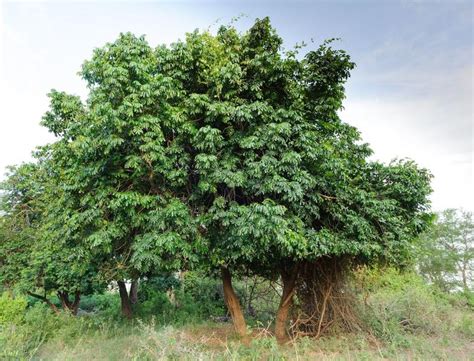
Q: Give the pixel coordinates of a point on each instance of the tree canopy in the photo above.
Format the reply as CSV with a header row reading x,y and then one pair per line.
x,y
445,252
223,151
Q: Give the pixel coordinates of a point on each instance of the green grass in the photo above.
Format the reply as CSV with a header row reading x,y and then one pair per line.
x,y
404,318
211,341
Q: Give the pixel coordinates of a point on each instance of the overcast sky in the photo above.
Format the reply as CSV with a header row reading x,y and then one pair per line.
x,y
411,94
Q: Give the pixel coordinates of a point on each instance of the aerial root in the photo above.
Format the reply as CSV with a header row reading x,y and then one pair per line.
x,y
323,300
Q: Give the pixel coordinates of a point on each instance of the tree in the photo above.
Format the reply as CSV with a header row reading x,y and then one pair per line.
x,y
124,165
278,181
35,257
445,252
19,210
227,151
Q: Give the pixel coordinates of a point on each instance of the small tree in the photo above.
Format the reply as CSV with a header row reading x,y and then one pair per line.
x,y
35,257
445,253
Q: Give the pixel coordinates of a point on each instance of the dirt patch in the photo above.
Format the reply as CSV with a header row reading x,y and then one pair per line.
x,y
212,336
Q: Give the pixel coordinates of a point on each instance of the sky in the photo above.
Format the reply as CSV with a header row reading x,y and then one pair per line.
x,y
410,95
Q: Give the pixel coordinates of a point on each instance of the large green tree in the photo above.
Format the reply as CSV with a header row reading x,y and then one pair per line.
x,y
226,150
124,164
277,179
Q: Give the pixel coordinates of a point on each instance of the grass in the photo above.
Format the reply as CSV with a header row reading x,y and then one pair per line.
x,y
404,319
217,341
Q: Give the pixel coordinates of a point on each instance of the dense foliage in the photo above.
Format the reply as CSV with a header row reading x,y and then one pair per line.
x,y
445,253
216,152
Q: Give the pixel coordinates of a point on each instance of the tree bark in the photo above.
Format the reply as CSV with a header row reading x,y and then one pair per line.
x,y
233,304
45,300
289,286
126,305
75,304
69,306
134,292
64,299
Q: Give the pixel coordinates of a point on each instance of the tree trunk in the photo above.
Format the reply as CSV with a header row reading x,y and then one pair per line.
x,y
69,306
134,292
289,283
233,304
64,298
75,304
125,300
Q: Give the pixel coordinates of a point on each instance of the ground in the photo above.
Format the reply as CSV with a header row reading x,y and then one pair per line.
x,y
217,341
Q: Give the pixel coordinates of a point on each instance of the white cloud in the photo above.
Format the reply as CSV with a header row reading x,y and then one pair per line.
x,y
413,97
418,129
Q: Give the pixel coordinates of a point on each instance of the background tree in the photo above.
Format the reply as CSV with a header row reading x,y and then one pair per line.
x,y
445,253
36,258
19,211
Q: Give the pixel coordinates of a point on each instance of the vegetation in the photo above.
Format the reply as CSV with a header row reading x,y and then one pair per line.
x,y
446,251
405,319
222,156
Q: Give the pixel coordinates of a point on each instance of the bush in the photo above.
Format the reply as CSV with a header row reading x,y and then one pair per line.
x,y
21,340
468,296
103,302
395,304
161,283
206,292
12,309
155,304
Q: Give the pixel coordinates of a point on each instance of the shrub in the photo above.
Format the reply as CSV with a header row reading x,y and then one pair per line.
x,y
206,292
12,309
162,283
21,340
395,304
155,304
103,302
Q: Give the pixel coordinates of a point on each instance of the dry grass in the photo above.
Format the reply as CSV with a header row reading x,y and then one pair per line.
x,y
214,341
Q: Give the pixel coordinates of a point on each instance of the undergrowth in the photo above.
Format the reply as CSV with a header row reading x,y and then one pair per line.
x,y
404,318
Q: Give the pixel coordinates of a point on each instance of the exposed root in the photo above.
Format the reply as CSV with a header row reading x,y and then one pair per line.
x,y
323,300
